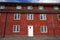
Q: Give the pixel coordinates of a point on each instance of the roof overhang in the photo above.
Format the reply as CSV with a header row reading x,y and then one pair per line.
x,y
21,3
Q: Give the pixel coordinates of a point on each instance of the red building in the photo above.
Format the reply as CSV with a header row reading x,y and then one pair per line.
x,y
29,19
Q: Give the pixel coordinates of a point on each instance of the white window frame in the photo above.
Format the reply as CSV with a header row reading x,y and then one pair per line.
x,y
43,16
30,16
17,27
40,7
2,7
17,17
18,7
29,7
43,28
56,8
58,16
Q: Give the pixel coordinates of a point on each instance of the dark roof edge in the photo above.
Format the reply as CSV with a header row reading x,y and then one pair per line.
x,y
22,3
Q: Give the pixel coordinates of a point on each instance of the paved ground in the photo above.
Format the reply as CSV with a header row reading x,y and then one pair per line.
x,y
30,38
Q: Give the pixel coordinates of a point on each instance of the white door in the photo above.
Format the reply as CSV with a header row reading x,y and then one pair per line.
x,y
30,30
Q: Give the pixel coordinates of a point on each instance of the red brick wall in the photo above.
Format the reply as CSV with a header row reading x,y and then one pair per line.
x,y
2,23
36,24
23,22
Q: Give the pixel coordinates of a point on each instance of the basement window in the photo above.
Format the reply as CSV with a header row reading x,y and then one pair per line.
x,y
16,16
29,16
56,7
29,7
58,16
16,28
2,7
43,29
40,7
42,16
18,7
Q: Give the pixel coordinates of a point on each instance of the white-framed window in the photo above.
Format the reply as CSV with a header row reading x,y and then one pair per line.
x,y
2,7
42,16
29,16
29,7
56,7
18,7
58,16
43,29
16,28
40,7
16,16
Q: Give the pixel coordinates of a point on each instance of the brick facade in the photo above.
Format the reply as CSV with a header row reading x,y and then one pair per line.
x,y
7,21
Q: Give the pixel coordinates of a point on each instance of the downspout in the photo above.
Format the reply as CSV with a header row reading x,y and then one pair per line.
x,y
5,25
53,25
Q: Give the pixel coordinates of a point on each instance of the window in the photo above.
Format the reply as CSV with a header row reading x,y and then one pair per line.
x,y
30,16
17,16
16,28
58,16
18,7
40,7
30,7
56,7
43,29
42,16
2,7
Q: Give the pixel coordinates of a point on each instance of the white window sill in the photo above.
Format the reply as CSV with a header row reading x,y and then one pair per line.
x,y
16,31
43,32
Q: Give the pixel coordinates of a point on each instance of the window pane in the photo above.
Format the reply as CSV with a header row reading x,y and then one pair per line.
x,y
16,28
17,16
41,7
18,7
42,16
2,7
59,16
29,7
43,29
30,16
56,7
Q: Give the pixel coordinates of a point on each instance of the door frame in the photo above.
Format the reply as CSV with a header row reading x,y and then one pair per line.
x,y
30,33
